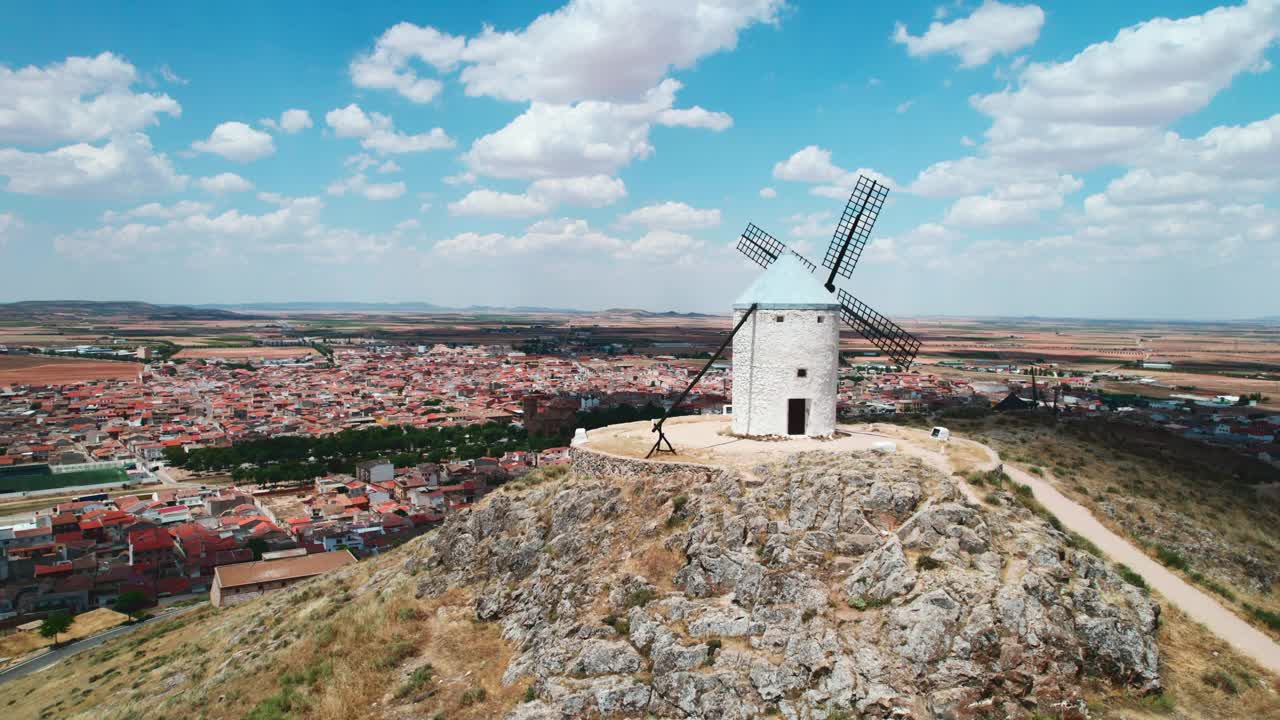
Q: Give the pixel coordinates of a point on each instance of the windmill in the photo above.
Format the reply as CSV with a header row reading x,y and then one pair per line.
x,y
789,370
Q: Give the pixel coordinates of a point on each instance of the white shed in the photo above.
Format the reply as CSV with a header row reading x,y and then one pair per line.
x,y
786,357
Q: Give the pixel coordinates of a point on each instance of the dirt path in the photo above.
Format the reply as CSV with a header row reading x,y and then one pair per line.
x,y
1198,605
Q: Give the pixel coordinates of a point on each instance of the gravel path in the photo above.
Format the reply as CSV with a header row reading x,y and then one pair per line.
x,y
1197,604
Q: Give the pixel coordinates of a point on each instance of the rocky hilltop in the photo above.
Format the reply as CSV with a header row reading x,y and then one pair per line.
x,y
820,587
815,587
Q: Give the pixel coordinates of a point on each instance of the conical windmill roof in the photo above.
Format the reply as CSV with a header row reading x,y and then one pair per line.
x,y
787,284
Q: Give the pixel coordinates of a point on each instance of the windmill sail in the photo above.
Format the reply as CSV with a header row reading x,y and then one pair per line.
x,y
882,332
763,249
854,228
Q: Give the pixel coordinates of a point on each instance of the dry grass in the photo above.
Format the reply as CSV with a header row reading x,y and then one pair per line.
x,y
15,644
1148,493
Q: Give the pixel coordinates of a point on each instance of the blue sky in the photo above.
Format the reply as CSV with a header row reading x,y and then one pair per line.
x,y
1078,159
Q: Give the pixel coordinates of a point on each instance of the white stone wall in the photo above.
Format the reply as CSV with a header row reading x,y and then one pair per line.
x,y
766,356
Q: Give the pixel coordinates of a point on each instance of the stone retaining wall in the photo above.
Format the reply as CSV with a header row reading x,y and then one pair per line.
x,y
601,464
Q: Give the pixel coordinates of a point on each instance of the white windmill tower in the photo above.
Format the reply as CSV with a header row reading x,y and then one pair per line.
x,y
786,341
786,357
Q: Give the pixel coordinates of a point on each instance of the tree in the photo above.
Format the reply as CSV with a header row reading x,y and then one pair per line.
x,y
258,546
130,602
56,624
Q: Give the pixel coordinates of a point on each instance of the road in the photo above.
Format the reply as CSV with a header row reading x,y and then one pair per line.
x,y
40,662
1197,604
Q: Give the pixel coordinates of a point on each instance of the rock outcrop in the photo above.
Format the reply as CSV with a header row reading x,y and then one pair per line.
x,y
815,586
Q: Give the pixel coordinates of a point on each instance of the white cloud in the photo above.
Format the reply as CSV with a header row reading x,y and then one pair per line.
x,y
498,204
671,216
695,117
463,178
813,165
387,67
552,234
408,225
993,29
768,193
588,49
158,211
812,225
542,196
904,106
1114,96
291,121
125,166
584,191
587,138
223,183
967,141
1012,203
660,245
237,141
376,132
291,228
360,185
388,167
78,99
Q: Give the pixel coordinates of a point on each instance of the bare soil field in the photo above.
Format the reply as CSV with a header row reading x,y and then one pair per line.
x,y
44,370
246,353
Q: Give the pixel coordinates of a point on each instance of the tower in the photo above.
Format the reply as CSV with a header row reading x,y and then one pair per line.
x,y
786,364
786,355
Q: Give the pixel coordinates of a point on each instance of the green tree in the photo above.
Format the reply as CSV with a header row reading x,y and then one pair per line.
x,y
56,624
258,546
130,602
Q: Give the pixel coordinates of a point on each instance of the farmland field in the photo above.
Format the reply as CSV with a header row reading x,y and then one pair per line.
x,y
45,370
241,354
26,482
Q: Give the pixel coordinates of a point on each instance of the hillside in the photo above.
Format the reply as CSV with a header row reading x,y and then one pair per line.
x,y
820,586
45,310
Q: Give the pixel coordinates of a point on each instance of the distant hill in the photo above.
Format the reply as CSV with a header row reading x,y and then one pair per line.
x,y
35,310
431,307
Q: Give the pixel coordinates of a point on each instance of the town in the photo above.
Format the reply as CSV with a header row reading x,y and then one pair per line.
x,y
183,516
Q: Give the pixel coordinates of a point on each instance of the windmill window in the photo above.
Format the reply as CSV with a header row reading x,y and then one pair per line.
x,y
802,372
819,319
777,318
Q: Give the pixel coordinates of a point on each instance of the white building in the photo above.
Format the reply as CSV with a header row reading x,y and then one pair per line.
x,y
786,357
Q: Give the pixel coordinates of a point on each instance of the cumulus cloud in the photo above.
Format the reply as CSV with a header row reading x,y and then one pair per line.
x,y
377,132
993,29
388,65
542,196
812,225
158,211
290,227
588,49
224,183
768,193
1113,97
124,166
291,121
1012,203
498,204
671,216
78,99
236,141
551,234
586,138
813,165
660,245
583,191
359,184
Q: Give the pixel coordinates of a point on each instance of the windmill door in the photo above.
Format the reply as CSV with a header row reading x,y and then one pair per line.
x,y
795,416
